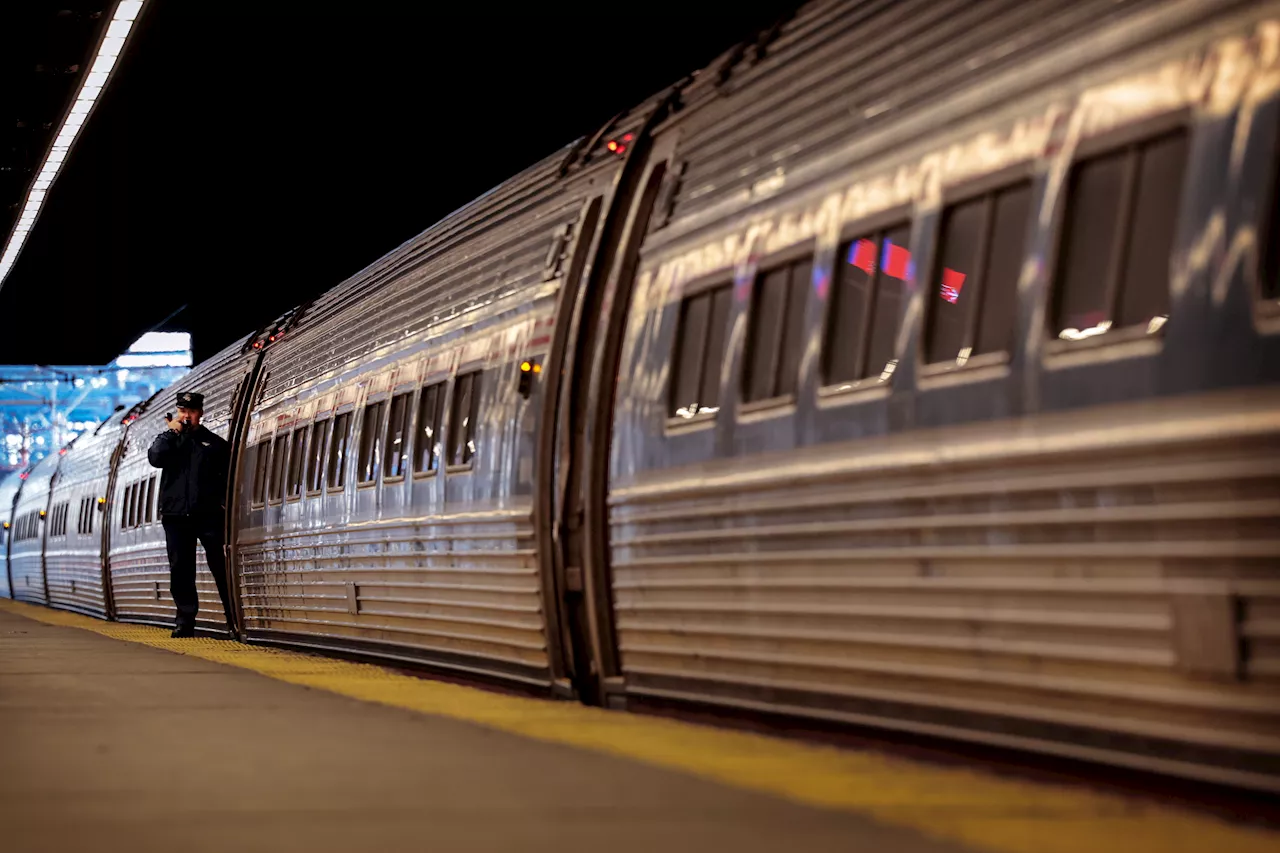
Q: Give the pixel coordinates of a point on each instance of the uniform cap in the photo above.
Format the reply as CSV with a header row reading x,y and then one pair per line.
x,y
191,400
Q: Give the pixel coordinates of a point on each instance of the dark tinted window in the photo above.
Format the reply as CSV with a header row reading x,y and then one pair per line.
x,y
776,328
279,449
295,462
980,250
370,444
1118,229
315,459
699,355
1269,237
1144,292
124,508
135,504
426,448
151,498
338,441
263,451
397,436
866,302
462,419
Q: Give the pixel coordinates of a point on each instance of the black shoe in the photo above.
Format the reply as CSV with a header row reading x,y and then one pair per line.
x,y
232,634
183,631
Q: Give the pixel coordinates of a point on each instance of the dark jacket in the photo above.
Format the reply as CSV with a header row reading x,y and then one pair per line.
x,y
195,465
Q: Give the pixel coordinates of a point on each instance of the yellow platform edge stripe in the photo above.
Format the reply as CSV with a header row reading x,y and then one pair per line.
x,y
977,809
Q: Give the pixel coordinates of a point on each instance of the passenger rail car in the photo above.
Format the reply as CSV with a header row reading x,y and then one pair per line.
x,y
914,367
8,494
30,519
74,558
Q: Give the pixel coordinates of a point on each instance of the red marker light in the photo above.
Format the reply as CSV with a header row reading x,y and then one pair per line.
x,y
626,137
621,148
62,452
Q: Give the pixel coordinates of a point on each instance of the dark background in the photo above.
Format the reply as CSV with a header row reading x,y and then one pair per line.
x,y
245,157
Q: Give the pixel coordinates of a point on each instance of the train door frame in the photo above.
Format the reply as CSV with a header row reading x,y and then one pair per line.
x,y
585,419
242,401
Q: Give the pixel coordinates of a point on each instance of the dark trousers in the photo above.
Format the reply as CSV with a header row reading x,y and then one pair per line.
x,y
180,535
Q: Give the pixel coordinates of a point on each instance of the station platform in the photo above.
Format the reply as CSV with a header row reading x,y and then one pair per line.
x,y
115,737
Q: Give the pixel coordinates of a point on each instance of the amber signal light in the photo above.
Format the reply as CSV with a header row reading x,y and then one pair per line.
x,y
527,371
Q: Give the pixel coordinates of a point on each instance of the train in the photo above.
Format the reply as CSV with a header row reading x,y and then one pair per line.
x,y
912,368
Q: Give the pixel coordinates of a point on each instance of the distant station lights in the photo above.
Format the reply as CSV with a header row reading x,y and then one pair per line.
x,y
112,45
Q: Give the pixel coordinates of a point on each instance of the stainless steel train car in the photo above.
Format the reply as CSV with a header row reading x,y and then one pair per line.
x,y
8,494
74,543
915,366
29,523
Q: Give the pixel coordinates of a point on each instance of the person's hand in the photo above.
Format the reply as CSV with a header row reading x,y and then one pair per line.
x,y
174,424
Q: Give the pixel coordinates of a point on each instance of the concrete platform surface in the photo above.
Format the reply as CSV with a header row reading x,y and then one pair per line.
x,y
111,746
116,737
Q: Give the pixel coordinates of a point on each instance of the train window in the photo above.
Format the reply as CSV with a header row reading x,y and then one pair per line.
x,y
315,459
338,441
1118,230
133,504
699,355
871,273
397,436
426,448
776,328
295,462
124,508
263,457
1269,237
279,448
370,444
980,253
462,420
151,499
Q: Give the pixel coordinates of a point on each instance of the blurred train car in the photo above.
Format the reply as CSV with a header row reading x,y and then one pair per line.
x,y
912,367
8,494
74,557
29,523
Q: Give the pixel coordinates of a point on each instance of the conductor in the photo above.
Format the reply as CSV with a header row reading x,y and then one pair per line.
x,y
193,494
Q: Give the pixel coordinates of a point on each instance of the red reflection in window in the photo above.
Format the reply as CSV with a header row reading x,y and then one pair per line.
x,y
896,261
862,255
952,281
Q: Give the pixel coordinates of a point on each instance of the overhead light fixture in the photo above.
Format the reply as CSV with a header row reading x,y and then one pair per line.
x,y
109,49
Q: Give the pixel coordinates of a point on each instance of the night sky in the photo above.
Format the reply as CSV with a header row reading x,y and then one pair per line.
x,y
243,160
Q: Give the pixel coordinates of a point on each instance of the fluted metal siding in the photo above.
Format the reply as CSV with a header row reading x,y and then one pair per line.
x,y
26,561
464,589
983,581
489,252
841,70
139,563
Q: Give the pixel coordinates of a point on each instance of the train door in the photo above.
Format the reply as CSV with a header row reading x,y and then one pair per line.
x,y
585,417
